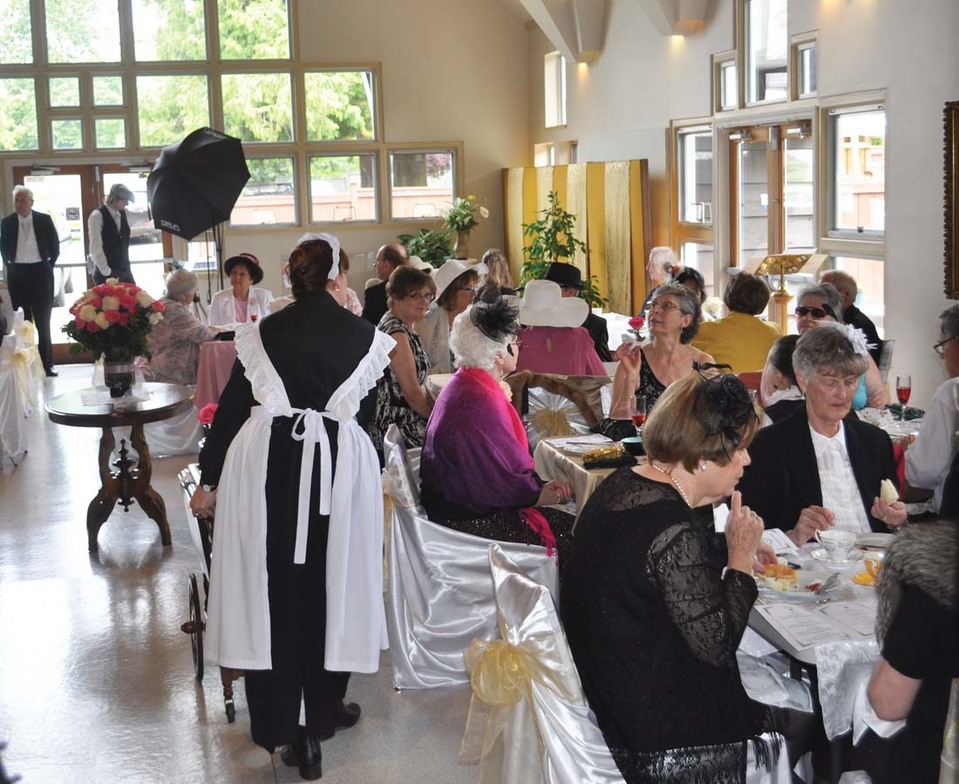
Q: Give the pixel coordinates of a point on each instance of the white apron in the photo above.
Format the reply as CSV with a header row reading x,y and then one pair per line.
x,y
238,613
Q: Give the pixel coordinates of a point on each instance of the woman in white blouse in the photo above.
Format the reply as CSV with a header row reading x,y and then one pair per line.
x,y
241,303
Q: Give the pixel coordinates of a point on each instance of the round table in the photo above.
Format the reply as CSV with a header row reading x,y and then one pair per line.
x,y
124,480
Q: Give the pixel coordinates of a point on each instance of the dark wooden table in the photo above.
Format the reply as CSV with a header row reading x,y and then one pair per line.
x,y
125,480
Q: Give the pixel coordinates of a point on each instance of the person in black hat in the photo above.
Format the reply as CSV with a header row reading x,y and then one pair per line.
x,y
109,233
570,281
241,303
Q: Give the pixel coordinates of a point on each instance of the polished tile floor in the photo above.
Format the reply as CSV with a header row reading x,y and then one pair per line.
x,y
96,678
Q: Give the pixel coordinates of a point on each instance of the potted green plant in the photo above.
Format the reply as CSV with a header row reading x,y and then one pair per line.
x,y
552,239
431,246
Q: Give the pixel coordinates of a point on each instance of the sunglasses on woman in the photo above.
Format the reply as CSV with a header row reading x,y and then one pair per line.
x,y
817,313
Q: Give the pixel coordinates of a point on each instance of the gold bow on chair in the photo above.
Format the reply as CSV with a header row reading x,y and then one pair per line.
x,y
501,676
550,422
23,360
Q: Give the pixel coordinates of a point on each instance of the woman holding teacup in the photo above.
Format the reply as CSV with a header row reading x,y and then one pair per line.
x,y
819,468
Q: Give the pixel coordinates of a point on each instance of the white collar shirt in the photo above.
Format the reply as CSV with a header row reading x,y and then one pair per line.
x,y
28,252
840,493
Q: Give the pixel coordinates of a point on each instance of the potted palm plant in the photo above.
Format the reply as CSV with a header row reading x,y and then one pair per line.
x,y
552,239
431,246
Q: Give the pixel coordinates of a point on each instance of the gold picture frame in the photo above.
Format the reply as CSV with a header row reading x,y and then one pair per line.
x,y
951,199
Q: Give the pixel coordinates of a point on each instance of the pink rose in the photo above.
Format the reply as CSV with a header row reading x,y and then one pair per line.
x,y
123,318
636,322
128,303
157,306
92,326
205,414
113,316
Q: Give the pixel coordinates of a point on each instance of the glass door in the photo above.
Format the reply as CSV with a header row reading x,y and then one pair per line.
x,y
69,194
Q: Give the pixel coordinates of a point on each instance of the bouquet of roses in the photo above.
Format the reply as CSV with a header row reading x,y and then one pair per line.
x,y
462,216
112,320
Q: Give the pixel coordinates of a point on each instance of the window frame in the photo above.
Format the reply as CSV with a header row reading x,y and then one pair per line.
x,y
40,70
455,150
797,45
682,232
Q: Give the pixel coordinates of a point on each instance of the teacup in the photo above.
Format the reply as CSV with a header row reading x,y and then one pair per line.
x,y
837,543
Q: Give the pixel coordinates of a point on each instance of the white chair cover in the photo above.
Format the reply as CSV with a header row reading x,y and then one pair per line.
x,y
545,731
440,595
178,435
21,346
551,415
844,669
13,436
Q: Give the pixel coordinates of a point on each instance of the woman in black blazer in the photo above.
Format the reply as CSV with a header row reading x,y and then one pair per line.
x,y
783,483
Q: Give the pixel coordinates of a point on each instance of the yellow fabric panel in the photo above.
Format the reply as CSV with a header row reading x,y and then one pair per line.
x,y
639,219
596,224
529,203
544,184
618,266
513,230
559,182
575,203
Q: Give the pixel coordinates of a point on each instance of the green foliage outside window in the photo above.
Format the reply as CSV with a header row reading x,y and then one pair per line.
x,y
18,120
254,29
16,38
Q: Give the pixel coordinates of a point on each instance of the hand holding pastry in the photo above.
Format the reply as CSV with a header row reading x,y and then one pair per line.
x,y
892,514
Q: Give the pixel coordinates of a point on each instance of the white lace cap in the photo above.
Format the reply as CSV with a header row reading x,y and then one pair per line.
x,y
334,244
857,337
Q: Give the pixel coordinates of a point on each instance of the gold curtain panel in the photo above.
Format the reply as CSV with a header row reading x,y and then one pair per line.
x,y
611,203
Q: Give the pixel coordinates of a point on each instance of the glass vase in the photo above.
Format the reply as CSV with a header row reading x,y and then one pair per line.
x,y
118,377
461,246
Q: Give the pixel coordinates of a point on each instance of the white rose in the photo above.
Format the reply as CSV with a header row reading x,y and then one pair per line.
x,y
111,303
155,318
88,313
144,300
101,321
113,281
484,212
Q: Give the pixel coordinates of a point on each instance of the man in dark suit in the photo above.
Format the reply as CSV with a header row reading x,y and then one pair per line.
x,y
30,246
822,466
388,258
570,281
848,291
109,234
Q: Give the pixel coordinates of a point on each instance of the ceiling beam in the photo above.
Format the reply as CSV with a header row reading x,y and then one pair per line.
x,y
676,17
575,27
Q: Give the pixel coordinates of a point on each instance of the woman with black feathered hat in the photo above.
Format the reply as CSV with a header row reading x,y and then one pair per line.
x,y
477,473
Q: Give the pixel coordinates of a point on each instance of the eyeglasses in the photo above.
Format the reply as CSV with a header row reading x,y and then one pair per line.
x,y
664,305
511,345
940,347
818,313
470,289
422,296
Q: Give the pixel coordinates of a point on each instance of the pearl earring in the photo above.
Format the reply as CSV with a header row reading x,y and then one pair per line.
x,y
702,466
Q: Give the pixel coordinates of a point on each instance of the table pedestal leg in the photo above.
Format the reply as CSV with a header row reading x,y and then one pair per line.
x,y
124,486
101,506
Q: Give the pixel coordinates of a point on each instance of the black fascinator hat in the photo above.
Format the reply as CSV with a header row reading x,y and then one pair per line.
x,y
723,405
495,316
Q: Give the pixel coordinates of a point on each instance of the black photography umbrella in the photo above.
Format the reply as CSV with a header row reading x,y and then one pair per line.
x,y
195,183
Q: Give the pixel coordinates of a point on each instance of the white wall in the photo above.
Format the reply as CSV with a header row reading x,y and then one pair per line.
x,y
621,107
449,73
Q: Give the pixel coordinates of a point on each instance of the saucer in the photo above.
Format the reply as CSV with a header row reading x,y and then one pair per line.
x,y
820,554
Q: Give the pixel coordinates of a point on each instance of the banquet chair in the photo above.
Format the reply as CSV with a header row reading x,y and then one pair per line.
x,y
549,734
439,594
555,405
13,437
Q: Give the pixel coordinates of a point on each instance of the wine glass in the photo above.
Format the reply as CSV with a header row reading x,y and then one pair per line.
x,y
903,390
637,412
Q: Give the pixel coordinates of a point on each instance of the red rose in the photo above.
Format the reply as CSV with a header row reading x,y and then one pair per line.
x,y
92,326
123,318
636,322
113,316
128,303
158,307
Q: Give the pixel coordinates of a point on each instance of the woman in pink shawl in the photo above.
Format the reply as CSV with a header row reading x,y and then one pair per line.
x,y
477,473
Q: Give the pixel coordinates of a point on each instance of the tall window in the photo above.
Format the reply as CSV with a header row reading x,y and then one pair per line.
x,y
184,64
692,174
857,199
767,50
554,89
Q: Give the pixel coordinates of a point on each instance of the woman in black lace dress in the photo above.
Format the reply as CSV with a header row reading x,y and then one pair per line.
x,y
655,604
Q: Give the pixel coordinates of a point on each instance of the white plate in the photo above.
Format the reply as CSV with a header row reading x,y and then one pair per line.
x,y
822,555
874,540
582,449
806,576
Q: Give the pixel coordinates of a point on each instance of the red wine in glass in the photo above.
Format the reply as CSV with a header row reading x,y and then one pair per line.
x,y
903,390
254,317
639,419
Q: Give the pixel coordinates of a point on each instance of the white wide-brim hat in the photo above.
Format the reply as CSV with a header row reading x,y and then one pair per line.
x,y
451,270
543,305
423,266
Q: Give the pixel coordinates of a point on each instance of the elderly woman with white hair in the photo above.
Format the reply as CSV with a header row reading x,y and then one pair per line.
x,y
820,468
477,473
175,341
